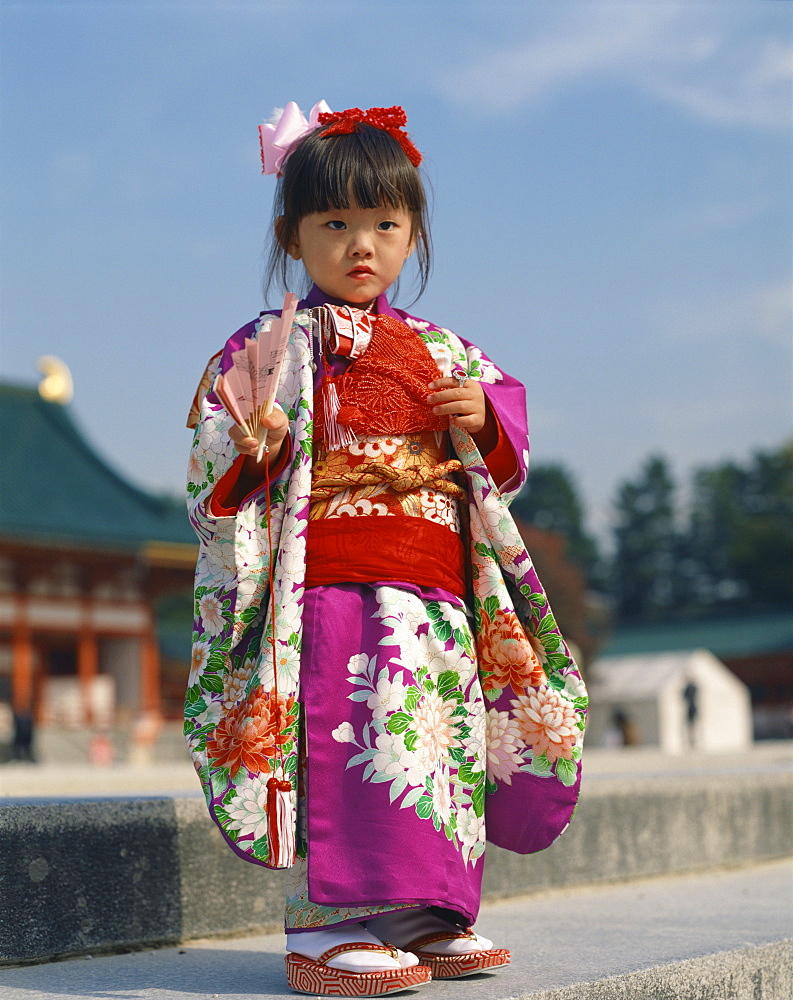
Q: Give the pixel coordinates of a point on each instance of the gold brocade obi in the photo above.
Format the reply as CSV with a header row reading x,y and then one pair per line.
x,y
401,475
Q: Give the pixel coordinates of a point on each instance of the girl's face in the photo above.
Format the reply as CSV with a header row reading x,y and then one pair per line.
x,y
354,254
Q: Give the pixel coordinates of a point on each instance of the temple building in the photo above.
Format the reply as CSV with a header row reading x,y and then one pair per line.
x,y
86,562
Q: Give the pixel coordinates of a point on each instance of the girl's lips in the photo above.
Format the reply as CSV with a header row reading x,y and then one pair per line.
x,y
360,272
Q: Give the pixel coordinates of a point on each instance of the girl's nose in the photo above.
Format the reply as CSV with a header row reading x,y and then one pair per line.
x,y
360,245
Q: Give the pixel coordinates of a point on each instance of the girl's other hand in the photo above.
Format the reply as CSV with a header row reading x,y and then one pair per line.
x,y
466,406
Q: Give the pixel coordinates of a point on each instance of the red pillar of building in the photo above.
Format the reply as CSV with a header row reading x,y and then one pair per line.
x,y
22,660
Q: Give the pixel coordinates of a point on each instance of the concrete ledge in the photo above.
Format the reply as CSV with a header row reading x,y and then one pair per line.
x,y
87,876
760,973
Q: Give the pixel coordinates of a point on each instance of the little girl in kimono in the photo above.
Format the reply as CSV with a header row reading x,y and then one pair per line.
x,y
378,682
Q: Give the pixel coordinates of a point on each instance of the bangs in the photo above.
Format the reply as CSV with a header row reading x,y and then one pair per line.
x,y
367,168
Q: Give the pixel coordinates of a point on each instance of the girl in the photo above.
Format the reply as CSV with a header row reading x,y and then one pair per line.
x,y
378,682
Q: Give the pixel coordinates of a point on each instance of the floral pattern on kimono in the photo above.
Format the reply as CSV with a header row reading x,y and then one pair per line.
x,y
518,762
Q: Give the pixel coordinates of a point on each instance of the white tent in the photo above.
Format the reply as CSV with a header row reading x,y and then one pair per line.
x,y
676,701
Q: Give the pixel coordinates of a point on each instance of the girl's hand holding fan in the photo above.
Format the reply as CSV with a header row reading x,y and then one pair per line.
x,y
248,388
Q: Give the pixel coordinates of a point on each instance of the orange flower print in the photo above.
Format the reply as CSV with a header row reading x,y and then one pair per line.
x,y
547,723
251,733
507,654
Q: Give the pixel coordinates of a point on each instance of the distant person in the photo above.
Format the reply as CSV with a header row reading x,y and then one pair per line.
x,y
22,743
626,728
691,699
393,451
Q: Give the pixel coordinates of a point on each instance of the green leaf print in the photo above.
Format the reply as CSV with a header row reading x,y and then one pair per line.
x,y
469,774
442,629
491,787
556,681
193,694
424,807
483,550
410,739
260,849
491,606
566,771
398,722
195,708
478,799
556,661
225,821
457,754
211,682
447,680
220,780
412,696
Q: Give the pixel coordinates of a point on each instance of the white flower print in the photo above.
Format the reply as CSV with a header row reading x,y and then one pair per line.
x,y
360,663
234,684
387,696
441,354
436,731
218,566
361,506
211,613
470,827
489,372
195,469
476,720
504,744
574,687
198,661
248,809
344,733
393,758
375,447
441,797
292,552
441,508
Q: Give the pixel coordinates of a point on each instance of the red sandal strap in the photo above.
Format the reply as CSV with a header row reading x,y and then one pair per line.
x,y
422,942
339,949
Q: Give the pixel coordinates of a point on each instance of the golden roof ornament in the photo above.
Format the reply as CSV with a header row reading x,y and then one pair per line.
x,y
57,385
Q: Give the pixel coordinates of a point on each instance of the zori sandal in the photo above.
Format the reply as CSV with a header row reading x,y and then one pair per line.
x,y
456,966
315,977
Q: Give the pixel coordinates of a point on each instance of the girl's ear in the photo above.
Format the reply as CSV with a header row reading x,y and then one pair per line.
x,y
292,248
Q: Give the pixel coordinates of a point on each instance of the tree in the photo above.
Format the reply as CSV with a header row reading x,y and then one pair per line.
x,y
550,502
740,535
645,577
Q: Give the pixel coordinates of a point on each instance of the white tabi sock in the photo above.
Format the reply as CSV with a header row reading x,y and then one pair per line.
x,y
312,944
405,926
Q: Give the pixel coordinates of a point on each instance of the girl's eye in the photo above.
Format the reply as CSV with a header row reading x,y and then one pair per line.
x,y
387,226
335,224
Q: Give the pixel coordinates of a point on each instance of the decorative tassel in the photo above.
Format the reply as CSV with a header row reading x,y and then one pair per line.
x,y
336,435
280,828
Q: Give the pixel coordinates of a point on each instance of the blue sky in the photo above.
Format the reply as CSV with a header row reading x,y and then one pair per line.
x,y
612,205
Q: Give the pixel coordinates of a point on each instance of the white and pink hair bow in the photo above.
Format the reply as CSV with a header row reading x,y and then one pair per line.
x,y
278,138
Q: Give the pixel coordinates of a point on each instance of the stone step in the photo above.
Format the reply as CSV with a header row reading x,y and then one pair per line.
x,y
710,936
107,874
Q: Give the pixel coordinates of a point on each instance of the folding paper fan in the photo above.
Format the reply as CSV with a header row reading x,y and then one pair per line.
x,y
248,388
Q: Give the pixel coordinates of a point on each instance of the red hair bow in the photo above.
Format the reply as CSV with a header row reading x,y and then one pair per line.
x,y
391,120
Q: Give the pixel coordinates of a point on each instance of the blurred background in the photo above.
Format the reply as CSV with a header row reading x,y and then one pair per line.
x,y
611,223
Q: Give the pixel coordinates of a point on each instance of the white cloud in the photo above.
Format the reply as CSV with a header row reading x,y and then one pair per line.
x,y
703,58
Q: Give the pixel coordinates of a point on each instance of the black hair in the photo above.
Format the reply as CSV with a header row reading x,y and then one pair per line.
x,y
367,167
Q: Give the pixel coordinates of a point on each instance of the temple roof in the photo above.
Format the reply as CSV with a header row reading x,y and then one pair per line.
x,y
56,489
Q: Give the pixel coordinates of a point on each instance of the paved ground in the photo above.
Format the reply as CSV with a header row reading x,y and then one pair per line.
x,y
557,938
169,776
177,777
